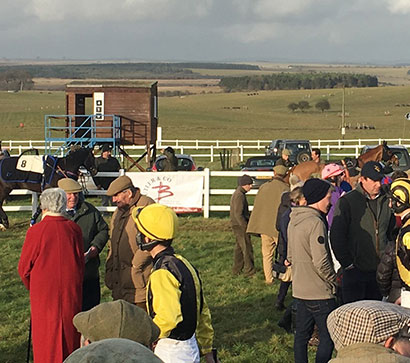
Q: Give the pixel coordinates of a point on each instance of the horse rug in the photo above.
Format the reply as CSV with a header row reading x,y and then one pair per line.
x,y
24,169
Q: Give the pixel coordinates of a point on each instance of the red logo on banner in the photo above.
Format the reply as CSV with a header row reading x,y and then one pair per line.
x,y
164,191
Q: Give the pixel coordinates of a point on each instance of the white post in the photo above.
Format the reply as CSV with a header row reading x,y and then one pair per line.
x,y
159,137
34,202
328,152
241,147
212,153
207,192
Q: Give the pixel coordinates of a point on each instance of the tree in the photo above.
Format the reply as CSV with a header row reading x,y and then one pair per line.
x,y
293,106
304,105
323,105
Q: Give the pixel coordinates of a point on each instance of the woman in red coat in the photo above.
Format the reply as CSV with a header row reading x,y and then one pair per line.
x,y
52,267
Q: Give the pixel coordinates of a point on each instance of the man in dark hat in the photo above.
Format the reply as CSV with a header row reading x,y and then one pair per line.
x,y
127,268
106,163
171,161
239,214
362,225
313,275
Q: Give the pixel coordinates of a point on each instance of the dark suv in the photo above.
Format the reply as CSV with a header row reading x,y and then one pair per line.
x,y
300,150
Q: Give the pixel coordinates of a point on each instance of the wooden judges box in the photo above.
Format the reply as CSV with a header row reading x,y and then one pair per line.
x,y
135,102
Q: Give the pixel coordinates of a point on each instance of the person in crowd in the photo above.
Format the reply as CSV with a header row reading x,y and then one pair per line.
x,y
315,155
113,350
333,173
106,163
171,161
284,160
95,237
289,199
313,275
263,217
239,215
362,225
370,331
51,267
176,301
116,319
400,203
127,267
387,275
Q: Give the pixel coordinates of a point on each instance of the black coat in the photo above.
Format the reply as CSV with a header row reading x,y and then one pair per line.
x,y
387,275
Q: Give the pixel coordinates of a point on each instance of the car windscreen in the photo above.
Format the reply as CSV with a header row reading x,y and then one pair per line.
x,y
295,149
257,163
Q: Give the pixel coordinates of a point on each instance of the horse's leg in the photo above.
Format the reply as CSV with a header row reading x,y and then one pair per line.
x,y
4,221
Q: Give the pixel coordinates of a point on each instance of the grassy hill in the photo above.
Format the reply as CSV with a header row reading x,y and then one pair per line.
x,y
242,115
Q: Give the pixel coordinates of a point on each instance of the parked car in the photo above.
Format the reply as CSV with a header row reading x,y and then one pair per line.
x,y
260,163
300,150
400,151
185,163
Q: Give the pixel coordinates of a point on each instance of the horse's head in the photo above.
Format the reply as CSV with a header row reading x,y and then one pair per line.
x,y
81,157
388,156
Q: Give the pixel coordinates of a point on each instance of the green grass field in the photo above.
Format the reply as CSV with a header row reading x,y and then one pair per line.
x,y
243,312
228,116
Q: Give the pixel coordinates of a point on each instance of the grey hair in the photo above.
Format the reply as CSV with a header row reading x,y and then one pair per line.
x,y
54,200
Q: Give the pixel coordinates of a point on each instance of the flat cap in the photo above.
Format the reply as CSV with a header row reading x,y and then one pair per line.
x,y
280,170
286,152
113,350
116,319
366,321
118,185
69,185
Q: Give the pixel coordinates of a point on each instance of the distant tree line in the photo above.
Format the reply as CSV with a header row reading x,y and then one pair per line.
x,y
15,80
124,70
286,81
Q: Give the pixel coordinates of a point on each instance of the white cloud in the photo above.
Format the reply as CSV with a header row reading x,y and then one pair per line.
x,y
399,6
119,10
249,33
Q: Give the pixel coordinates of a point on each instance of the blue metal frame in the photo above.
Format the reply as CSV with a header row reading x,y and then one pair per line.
x,y
87,137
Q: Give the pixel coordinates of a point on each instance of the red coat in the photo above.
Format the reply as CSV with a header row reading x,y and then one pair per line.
x,y
52,267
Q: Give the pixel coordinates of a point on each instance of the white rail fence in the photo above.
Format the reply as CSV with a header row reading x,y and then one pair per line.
x,y
210,149
207,192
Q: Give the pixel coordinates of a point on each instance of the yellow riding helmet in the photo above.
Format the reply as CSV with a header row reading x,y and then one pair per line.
x,y
400,194
156,221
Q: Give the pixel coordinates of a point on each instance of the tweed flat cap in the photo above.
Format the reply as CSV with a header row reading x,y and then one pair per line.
x,y
116,319
118,185
69,185
366,321
280,170
113,350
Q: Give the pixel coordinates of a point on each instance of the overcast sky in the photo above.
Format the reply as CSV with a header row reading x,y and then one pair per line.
x,y
365,31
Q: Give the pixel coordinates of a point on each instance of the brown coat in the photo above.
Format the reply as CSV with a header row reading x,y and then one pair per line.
x,y
127,267
265,208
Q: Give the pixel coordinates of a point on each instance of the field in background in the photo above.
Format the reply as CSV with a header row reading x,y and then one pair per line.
x,y
242,115
392,75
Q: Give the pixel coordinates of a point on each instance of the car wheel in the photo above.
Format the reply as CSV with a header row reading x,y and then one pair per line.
x,y
302,157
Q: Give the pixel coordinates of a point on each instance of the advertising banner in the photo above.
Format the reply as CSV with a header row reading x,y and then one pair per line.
x,y
182,191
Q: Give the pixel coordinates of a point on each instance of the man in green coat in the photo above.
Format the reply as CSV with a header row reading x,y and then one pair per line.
x,y
95,237
239,215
